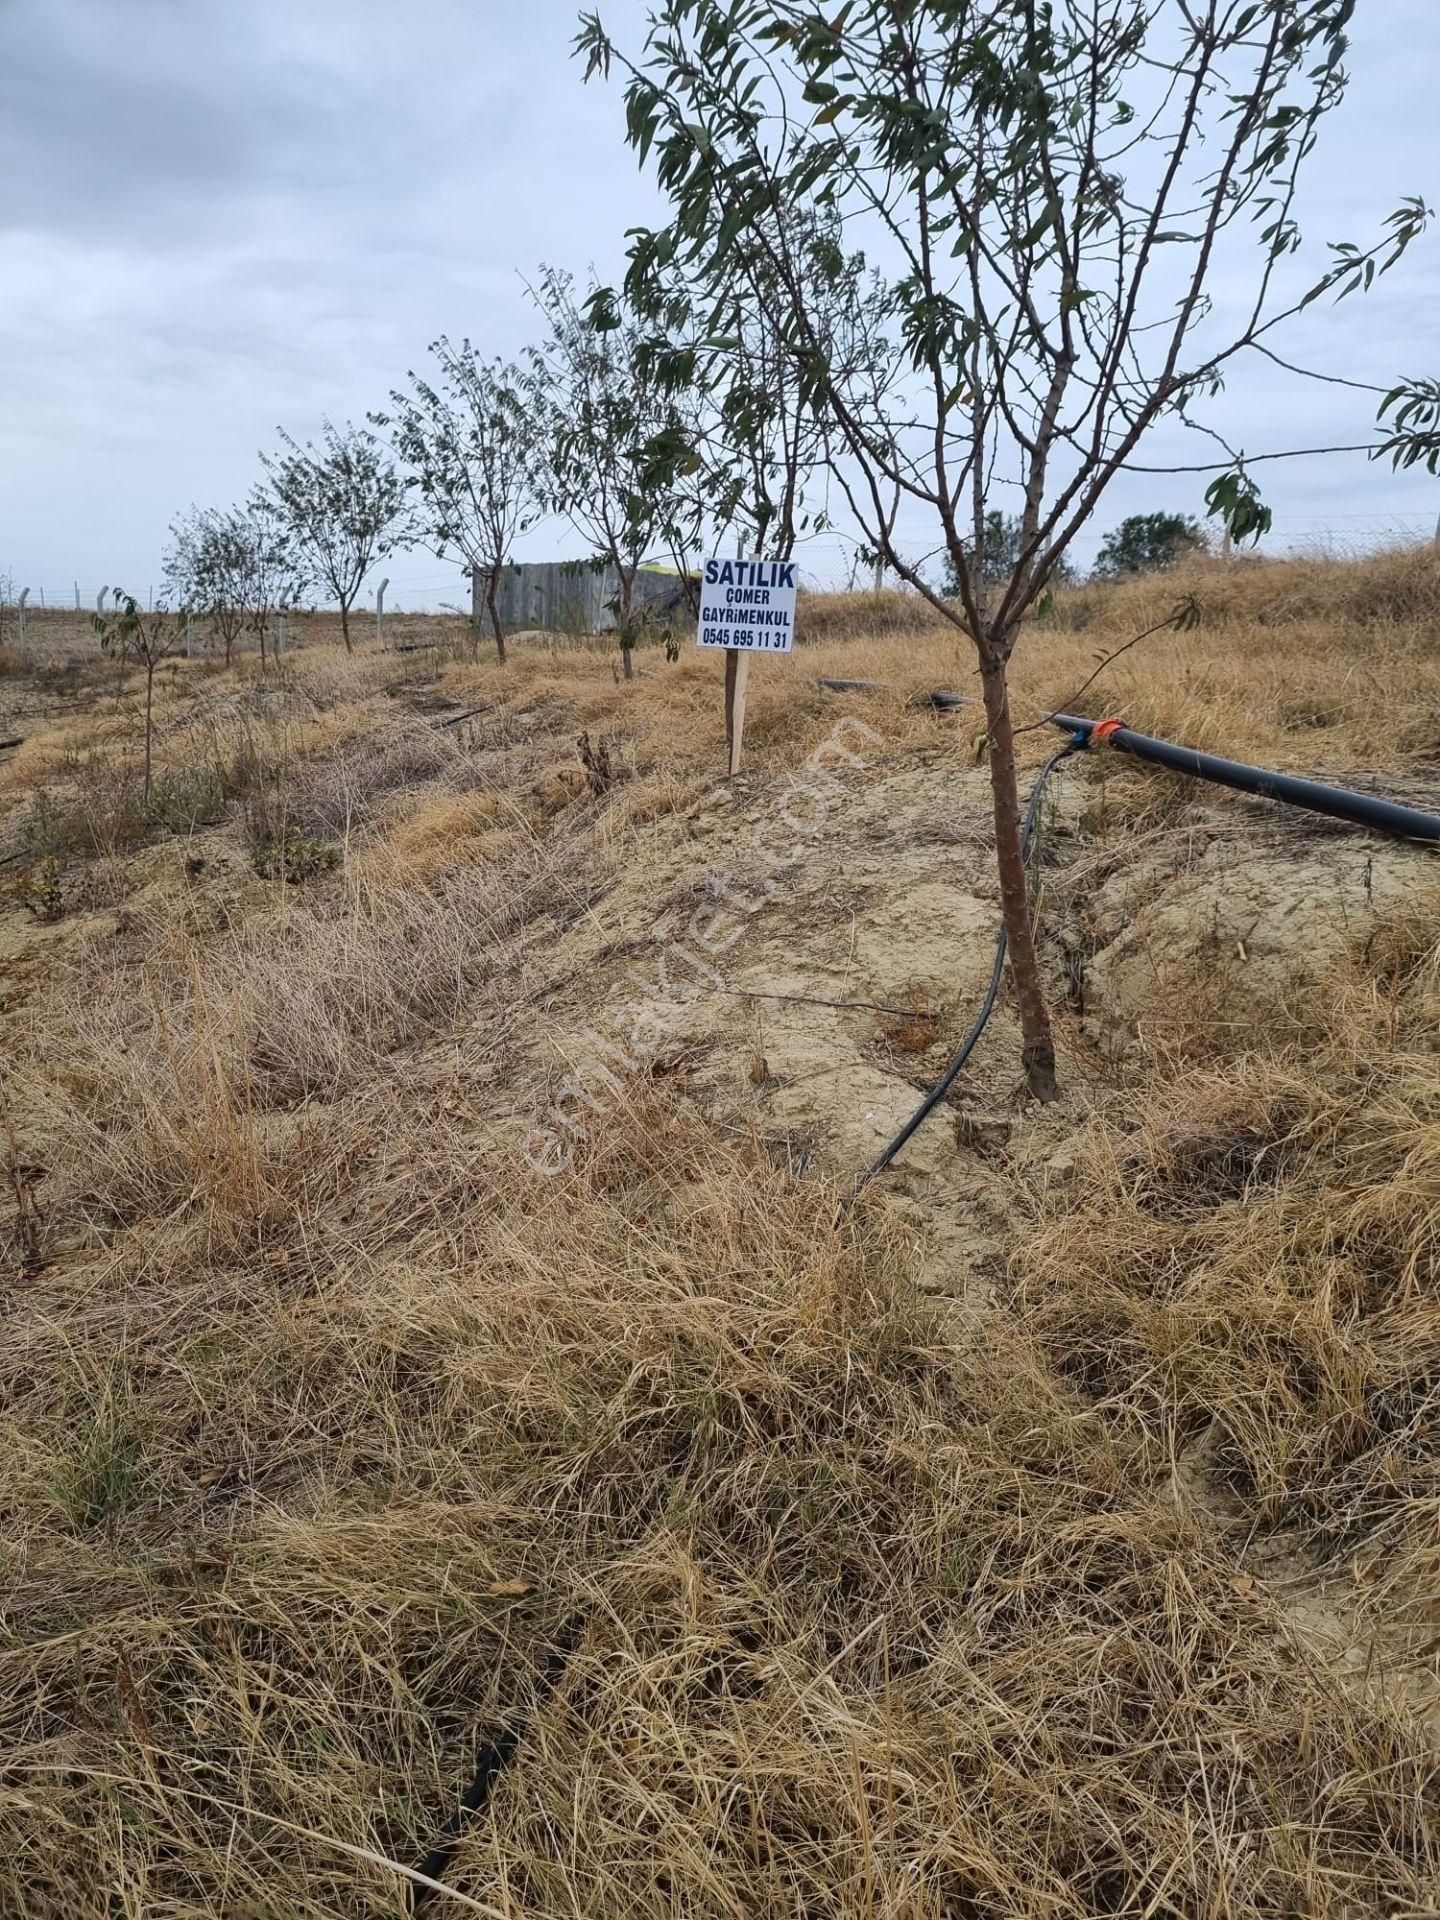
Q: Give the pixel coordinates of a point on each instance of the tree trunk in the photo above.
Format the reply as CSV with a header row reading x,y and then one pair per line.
x,y
787,517
345,625
149,730
627,588
1037,1044
492,601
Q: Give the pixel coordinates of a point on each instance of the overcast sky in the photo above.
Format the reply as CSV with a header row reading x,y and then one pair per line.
x,y
216,217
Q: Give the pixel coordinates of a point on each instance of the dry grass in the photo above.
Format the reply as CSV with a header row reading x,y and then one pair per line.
x,y
867,1624
1297,663
58,637
1300,663
1252,1260
326,1421
455,830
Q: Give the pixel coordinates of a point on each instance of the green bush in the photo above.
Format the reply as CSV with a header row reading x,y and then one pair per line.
x,y
1148,542
98,1479
47,829
289,856
188,798
40,892
107,817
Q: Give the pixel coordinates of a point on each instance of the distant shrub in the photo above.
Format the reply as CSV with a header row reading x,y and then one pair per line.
x,y
40,891
1147,542
108,816
291,857
188,798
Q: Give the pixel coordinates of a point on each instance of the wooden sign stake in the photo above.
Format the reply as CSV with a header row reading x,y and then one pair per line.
x,y
737,677
755,597
737,674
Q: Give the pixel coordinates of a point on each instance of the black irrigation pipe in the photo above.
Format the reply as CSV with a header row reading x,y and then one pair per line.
x,y
987,1006
490,1762
1359,809
942,699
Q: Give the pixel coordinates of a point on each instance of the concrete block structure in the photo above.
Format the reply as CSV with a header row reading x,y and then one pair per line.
x,y
574,596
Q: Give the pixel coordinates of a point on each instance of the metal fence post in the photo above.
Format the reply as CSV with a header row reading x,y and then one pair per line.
x,y
380,611
24,596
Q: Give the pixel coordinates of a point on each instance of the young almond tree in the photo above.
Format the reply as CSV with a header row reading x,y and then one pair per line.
x,y
130,633
273,572
206,568
472,444
615,438
1053,187
341,506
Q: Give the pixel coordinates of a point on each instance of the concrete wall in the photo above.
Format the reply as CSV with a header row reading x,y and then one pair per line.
x,y
570,596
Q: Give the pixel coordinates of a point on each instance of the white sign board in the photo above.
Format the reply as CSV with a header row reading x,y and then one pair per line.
x,y
748,604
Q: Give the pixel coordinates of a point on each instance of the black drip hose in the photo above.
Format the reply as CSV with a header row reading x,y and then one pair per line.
x,y
972,1039
490,1761
1340,803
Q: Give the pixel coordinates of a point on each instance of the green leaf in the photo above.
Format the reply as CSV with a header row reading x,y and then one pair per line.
x,y
1235,500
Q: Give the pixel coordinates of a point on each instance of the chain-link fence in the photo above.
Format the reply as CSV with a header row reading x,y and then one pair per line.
x,y
830,562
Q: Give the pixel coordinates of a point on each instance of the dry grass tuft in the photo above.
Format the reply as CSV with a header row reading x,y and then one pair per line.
x,y
445,834
833,618
1296,663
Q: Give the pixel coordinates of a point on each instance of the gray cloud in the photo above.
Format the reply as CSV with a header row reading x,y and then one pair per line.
x,y
135,122
219,215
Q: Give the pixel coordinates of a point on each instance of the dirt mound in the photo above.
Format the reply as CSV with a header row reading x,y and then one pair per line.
x,y
1235,931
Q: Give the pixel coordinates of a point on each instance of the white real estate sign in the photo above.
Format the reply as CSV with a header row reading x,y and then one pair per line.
x,y
748,604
